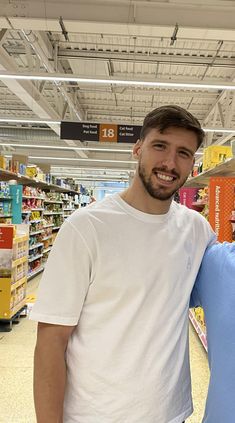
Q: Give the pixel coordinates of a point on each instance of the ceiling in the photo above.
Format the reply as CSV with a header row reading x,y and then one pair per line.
x,y
169,41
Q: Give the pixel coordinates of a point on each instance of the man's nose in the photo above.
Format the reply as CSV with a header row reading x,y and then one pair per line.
x,y
169,161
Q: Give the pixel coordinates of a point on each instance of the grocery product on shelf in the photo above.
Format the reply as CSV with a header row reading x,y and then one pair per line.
x,y
233,224
5,203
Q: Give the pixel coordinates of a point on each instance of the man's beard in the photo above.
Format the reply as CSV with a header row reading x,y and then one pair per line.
x,y
160,192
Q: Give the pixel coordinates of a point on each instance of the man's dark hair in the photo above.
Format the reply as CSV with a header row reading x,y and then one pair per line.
x,y
172,116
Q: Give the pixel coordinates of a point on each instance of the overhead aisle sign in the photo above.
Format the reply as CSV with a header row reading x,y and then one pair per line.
x,y
100,132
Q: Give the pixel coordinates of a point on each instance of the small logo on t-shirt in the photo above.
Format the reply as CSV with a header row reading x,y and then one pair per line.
x,y
189,263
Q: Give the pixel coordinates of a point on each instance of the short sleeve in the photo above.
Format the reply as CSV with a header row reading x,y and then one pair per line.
x,y
65,281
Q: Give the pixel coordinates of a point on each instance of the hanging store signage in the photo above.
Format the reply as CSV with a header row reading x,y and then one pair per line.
x,y
99,132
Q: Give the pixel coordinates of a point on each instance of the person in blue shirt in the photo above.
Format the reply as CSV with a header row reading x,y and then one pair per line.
x,y
214,290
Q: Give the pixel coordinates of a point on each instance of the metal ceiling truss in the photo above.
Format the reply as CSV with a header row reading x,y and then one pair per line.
x,y
170,40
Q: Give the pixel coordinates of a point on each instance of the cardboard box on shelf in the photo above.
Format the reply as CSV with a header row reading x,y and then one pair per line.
x,y
31,171
19,163
233,147
215,154
40,176
3,162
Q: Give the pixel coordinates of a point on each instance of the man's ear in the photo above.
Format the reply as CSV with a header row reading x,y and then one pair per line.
x,y
137,149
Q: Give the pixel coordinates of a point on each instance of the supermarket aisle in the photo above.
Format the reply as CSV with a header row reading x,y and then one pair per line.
x,y
16,370
200,376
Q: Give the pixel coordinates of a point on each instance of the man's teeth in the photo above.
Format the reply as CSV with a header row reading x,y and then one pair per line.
x,y
165,177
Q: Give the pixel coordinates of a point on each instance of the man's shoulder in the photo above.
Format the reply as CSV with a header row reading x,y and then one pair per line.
x,y
189,213
94,211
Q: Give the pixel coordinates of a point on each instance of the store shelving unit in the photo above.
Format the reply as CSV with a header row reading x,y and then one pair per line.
x,y
227,168
13,275
5,208
222,172
44,212
41,220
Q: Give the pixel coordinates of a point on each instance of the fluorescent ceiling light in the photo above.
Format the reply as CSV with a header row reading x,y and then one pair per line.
x,y
38,121
224,130
100,179
104,177
79,160
72,169
55,147
82,160
55,77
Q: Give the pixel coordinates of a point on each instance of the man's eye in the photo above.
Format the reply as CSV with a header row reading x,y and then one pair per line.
x,y
159,146
185,154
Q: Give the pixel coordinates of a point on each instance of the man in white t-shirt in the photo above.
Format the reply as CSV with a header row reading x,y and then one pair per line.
x,y
112,307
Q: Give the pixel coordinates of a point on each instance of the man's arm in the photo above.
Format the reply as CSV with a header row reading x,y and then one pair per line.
x,y
50,371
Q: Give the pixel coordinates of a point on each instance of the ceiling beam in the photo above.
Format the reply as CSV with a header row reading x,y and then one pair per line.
x,y
139,57
204,21
28,93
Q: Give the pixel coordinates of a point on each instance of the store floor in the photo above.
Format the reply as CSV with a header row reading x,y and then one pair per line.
x,y
16,371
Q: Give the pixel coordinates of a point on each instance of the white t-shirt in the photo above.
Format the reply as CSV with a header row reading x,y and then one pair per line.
x,y
124,278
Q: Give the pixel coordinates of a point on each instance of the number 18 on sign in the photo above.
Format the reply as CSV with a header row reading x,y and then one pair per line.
x,y
108,133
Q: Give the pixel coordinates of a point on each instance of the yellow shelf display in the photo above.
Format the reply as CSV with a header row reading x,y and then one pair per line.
x,y
13,269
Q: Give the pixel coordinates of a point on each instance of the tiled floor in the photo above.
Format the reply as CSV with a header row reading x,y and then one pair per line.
x,y
16,372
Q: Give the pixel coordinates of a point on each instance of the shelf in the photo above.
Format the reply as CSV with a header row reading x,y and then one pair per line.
x,y
199,204
32,210
19,261
5,198
34,258
48,226
32,197
18,283
227,168
35,221
40,244
26,211
35,233
36,272
198,329
47,250
56,227
6,175
5,215
51,213
69,209
48,237
53,201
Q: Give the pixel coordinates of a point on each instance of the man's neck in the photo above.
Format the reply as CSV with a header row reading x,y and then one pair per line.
x,y
141,200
